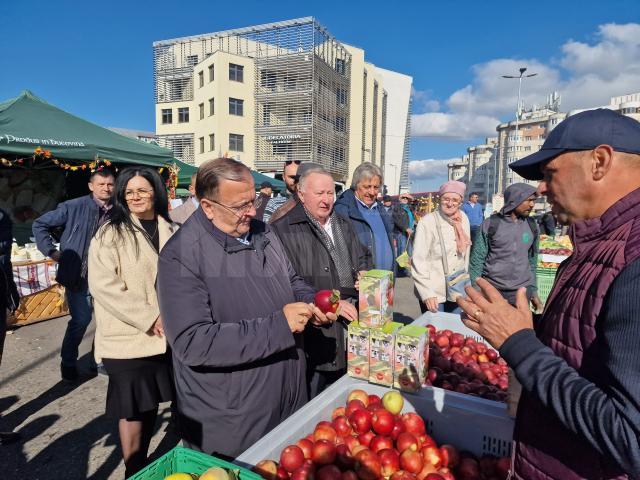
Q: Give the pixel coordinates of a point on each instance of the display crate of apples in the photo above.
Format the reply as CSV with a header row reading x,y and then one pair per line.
x,y
553,251
359,431
460,361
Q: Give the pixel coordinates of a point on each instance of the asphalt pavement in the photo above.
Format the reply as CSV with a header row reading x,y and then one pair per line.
x,y
65,434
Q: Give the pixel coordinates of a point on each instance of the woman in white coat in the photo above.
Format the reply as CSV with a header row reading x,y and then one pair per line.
x,y
445,230
123,263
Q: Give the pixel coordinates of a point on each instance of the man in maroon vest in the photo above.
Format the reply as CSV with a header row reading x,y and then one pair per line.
x,y
579,415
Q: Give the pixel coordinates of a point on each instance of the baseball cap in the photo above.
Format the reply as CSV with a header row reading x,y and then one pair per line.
x,y
305,168
266,185
386,198
582,131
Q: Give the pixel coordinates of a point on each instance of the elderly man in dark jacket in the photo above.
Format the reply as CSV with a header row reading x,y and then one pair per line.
x,y
325,252
79,218
233,310
372,223
579,414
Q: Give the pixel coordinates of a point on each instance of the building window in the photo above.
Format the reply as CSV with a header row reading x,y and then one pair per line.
x,y
201,108
266,115
338,155
341,66
236,142
341,96
211,73
201,144
211,106
167,116
268,79
236,107
212,142
341,124
236,72
183,115
192,60
200,79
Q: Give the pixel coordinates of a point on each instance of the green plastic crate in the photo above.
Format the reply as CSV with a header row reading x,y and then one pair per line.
x,y
545,279
185,460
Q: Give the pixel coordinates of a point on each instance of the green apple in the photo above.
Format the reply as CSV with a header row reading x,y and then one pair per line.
x,y
393,401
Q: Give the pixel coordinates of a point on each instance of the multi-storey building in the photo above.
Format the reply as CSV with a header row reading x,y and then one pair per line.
x,y
459,170
270,93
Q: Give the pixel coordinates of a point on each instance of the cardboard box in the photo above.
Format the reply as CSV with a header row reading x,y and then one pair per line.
x,y
409,356
382,345
358,351
376,298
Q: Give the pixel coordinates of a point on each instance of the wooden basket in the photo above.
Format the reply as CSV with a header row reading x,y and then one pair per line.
x,y
44,305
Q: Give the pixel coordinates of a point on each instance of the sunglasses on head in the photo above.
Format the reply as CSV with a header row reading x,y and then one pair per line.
x,y
289,162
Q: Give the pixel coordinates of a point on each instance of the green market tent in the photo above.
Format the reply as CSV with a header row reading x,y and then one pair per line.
x,y
28,122
186,170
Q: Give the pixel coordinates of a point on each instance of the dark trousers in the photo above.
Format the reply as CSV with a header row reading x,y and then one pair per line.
x,y
80,309
3,329
319,380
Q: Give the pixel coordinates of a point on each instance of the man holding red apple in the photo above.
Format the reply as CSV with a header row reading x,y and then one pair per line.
x,y
579,414
324,250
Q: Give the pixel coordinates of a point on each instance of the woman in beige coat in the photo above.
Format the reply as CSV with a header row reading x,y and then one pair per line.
x,y
428,268
123,259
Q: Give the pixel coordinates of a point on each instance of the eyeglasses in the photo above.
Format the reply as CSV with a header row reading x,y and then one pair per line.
x,y
237,211
289,162
451,201
130,194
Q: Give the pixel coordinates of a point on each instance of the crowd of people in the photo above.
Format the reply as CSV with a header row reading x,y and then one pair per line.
x,y
210,305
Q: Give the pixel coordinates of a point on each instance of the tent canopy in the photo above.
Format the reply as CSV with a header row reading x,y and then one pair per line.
x,y
28,122
186,170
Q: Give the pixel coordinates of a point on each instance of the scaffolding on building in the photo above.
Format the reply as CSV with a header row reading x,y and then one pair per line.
x,y
404,169
302,84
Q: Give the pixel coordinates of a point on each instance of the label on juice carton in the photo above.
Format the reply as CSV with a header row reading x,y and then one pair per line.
x,y
382,344
358,351
409,367
376,298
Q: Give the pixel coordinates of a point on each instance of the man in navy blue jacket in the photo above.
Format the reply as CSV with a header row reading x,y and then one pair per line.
x,y
79,218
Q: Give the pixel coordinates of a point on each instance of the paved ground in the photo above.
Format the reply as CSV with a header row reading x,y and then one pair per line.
x,y
64,431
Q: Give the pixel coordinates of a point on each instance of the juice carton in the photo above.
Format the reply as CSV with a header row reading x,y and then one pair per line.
x,y
382,344
376,298
358,351
409,357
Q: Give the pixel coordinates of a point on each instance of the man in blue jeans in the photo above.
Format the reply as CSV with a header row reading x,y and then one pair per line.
x,y
79,219
474,210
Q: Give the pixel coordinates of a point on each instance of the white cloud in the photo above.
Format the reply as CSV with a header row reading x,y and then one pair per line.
x,y
586,75
429,169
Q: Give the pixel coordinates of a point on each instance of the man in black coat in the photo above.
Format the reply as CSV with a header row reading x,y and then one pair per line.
x,y
324,250
8,293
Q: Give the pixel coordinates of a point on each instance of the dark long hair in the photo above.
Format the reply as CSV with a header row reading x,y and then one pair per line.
x,y
120,218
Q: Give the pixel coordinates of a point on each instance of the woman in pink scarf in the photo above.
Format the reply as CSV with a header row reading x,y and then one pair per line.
x,y
444,230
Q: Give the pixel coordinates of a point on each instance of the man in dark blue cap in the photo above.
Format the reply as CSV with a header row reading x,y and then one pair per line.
x,y
505,251
579,414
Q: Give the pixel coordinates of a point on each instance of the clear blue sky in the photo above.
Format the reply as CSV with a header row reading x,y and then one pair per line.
x,y
94,59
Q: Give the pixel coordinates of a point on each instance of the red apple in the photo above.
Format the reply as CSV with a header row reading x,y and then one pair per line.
x,y
360,421
442,340
357,449
267,469
344,458
368,465
450,456
380,442
432,330
291,458
349,475
411,461
447,332
327,300
358,395
365,438
352,406
457,340
492,355
446,474
398,428
413,423
282,474
468,469
406,441
324,432
374,399
351,442
324,452
402,475
304,473
306,446
434,476
427,469
341,426
329,472
431,454
390,461
426,441
503,465
382,422
338,412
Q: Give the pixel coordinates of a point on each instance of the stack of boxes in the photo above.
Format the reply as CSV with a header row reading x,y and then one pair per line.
x,y
380,350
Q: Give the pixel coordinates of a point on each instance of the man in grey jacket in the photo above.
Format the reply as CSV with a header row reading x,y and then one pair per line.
x,y
505,250
233,310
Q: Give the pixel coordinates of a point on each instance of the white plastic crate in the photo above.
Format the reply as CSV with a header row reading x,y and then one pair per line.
x,y
447,321
450,418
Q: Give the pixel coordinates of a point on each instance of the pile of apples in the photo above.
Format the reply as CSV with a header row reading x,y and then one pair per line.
x,y
464,365
369,439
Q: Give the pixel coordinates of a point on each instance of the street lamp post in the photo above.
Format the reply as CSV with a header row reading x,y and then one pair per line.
x,y
519,77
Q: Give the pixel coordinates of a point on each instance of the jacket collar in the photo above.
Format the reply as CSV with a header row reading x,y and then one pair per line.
x,y
625,209
298,215
348,197
165,229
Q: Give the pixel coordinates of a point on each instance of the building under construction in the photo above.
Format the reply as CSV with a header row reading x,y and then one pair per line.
x,y
271,93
